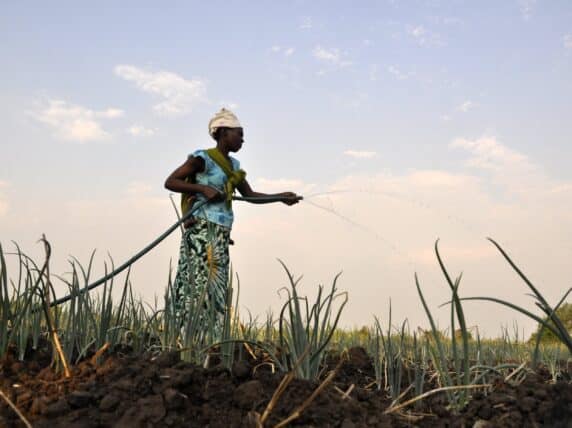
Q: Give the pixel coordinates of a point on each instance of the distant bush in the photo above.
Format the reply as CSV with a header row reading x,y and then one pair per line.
x,y
565,315
459,334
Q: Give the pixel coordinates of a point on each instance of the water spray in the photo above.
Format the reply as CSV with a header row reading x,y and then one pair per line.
x,y
369,230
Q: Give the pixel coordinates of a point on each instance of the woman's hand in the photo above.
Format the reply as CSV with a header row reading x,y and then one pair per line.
x,y
290,198
212,194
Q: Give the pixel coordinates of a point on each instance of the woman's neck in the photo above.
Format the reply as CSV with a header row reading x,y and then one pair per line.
x,y
221,148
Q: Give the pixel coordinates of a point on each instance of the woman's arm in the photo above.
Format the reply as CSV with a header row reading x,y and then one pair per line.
x,y
289,198
176,181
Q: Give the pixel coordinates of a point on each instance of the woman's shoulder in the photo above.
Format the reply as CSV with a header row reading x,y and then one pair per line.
x,y
199,153
235,162
202,154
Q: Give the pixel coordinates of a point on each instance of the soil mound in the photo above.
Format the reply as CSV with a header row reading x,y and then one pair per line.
x,y
126,390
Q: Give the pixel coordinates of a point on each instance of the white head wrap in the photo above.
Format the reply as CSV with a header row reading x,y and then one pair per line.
x,y
224,118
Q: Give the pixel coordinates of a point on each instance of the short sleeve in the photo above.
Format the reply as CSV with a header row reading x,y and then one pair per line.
x,y
235,164
199,154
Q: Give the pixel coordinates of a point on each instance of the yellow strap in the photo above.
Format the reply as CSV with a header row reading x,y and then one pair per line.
x,y
234,178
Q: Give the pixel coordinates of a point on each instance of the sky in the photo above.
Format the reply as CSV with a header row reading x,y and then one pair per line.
x,y
401,122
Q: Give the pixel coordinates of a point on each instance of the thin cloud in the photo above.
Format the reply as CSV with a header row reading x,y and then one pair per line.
x,y
515,174
423,36
526,8
397,73
466,106
180,96
418,32
110,113
360,154
489,154
445,20
141,131
284,51
373,72
306,23
72,122
567,41
332,56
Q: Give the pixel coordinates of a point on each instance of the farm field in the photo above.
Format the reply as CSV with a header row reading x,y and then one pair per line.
x,y
93,362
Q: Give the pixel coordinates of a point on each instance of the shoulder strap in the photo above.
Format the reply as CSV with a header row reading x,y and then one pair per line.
x,y
234,178
221,161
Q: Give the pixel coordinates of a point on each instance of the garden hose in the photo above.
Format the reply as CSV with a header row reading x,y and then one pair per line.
x,y
157,241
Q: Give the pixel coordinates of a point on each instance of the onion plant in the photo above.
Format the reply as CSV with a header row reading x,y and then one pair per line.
x,y
304,331
420,367
460,354
16,319
231,324
389,358
552,322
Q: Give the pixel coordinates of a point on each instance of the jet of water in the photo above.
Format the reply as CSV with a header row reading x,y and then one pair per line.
x,y
366,229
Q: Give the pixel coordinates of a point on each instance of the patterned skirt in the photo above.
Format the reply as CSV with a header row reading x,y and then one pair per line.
x,y
202,273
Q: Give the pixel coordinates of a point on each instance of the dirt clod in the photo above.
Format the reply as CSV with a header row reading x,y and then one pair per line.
x,y
241,370
247,394
58,408
79,398
173,399
109,402
168,359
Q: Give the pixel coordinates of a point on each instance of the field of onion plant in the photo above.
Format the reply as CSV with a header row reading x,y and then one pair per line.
x,y
99,361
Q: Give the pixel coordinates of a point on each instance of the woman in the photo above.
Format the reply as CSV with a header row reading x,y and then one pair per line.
x,y
211,175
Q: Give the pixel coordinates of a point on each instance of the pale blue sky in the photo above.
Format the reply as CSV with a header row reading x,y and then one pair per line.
x,y
100,101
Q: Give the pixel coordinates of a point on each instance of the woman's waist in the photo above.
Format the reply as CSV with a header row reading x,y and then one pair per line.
x,y
222,219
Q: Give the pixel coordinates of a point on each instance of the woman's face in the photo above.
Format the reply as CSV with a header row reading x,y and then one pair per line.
x,y
235,139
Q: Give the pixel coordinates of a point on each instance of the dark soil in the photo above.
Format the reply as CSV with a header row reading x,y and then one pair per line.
x,y
127,390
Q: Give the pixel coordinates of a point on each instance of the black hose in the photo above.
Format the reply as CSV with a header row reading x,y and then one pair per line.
x,y
132,259
272,198
156,242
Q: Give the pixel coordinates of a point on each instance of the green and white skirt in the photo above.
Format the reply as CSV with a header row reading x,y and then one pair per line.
x,y
202,273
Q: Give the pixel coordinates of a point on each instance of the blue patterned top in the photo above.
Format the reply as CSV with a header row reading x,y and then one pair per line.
x,y
214,176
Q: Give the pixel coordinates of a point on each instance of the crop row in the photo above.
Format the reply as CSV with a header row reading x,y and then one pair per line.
x,y
296,340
